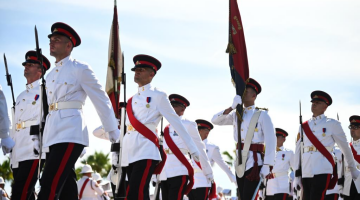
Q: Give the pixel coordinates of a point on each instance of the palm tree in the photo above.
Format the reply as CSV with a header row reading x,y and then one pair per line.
x,y
99,162
5,170
231,157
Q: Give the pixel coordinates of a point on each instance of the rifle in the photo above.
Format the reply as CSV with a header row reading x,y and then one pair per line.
x,y
158,182
298,173
341,180
9,83
120,189
44,107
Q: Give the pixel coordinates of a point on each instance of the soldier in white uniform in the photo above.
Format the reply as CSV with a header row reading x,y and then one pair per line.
x,y
88,188
351,190
334,194
24,161
140,153
278,187
175,176
3,194
317,164
202,187
66,134
6,142
264,133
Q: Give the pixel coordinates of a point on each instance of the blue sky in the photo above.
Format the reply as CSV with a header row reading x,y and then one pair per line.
x,y
294,47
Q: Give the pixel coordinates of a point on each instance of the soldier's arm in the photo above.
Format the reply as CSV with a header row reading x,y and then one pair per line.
x,y
98,97
98,189
4,116
220,161
340,139
270,139
204,161
297,151
223,117
292,160
168,112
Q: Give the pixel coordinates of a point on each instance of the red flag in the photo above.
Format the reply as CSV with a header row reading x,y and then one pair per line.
x,y
115,65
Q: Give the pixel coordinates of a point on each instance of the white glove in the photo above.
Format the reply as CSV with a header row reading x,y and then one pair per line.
x,y
209,178
83,153
297,183
115,159
265,170
7,144
114,135
237,100
196,156
355,173
36,147
153,180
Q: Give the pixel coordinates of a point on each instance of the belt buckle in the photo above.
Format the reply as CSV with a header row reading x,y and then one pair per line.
x,y
167,151
311,148
53,106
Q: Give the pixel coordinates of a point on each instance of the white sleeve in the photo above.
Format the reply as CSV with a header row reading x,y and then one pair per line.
x,y
292,160
4,116
270,139
204,161
90,84
98,189
220,161
340,139
168,112
221,119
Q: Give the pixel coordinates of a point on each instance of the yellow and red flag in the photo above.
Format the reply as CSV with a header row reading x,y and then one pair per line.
x,y
115,66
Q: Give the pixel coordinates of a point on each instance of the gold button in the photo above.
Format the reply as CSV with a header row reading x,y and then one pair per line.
x,y
242,129
21,109
139,93
135,102
57,70
19,120
65,83
23,99
242,139
45,88
53,80
50,92
27,90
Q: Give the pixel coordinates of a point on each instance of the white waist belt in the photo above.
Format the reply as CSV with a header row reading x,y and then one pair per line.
x,y
152,127
184,151
314,149
197,170
65,105
279,174
25,124
348,169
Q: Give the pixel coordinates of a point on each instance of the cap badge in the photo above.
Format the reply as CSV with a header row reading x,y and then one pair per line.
x,y
55,30
137,63
316,96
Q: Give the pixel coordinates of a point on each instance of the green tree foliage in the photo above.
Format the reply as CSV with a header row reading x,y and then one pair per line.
x,y
99,162
5,170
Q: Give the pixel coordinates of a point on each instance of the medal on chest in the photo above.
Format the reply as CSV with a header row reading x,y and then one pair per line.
x,y
324,131
256,129
148,100
35,99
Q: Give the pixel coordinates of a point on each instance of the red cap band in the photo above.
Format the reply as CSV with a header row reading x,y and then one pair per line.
x,y
205,125
147,63
281,133
35,58
179,100
355,120
253,86
72,38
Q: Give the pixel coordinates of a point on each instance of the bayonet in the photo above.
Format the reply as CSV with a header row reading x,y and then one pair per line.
x,y
9,81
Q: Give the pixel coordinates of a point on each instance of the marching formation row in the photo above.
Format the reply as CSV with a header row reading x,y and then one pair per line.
x,y
178,159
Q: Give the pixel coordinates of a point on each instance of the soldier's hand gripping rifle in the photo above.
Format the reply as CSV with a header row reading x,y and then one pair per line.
x,y
9,83
158,182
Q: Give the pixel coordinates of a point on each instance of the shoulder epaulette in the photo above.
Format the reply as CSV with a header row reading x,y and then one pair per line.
x,y
257,108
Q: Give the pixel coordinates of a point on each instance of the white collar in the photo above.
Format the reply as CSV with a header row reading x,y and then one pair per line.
x,y
63,61
144,88
356,142
33,84
318,117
